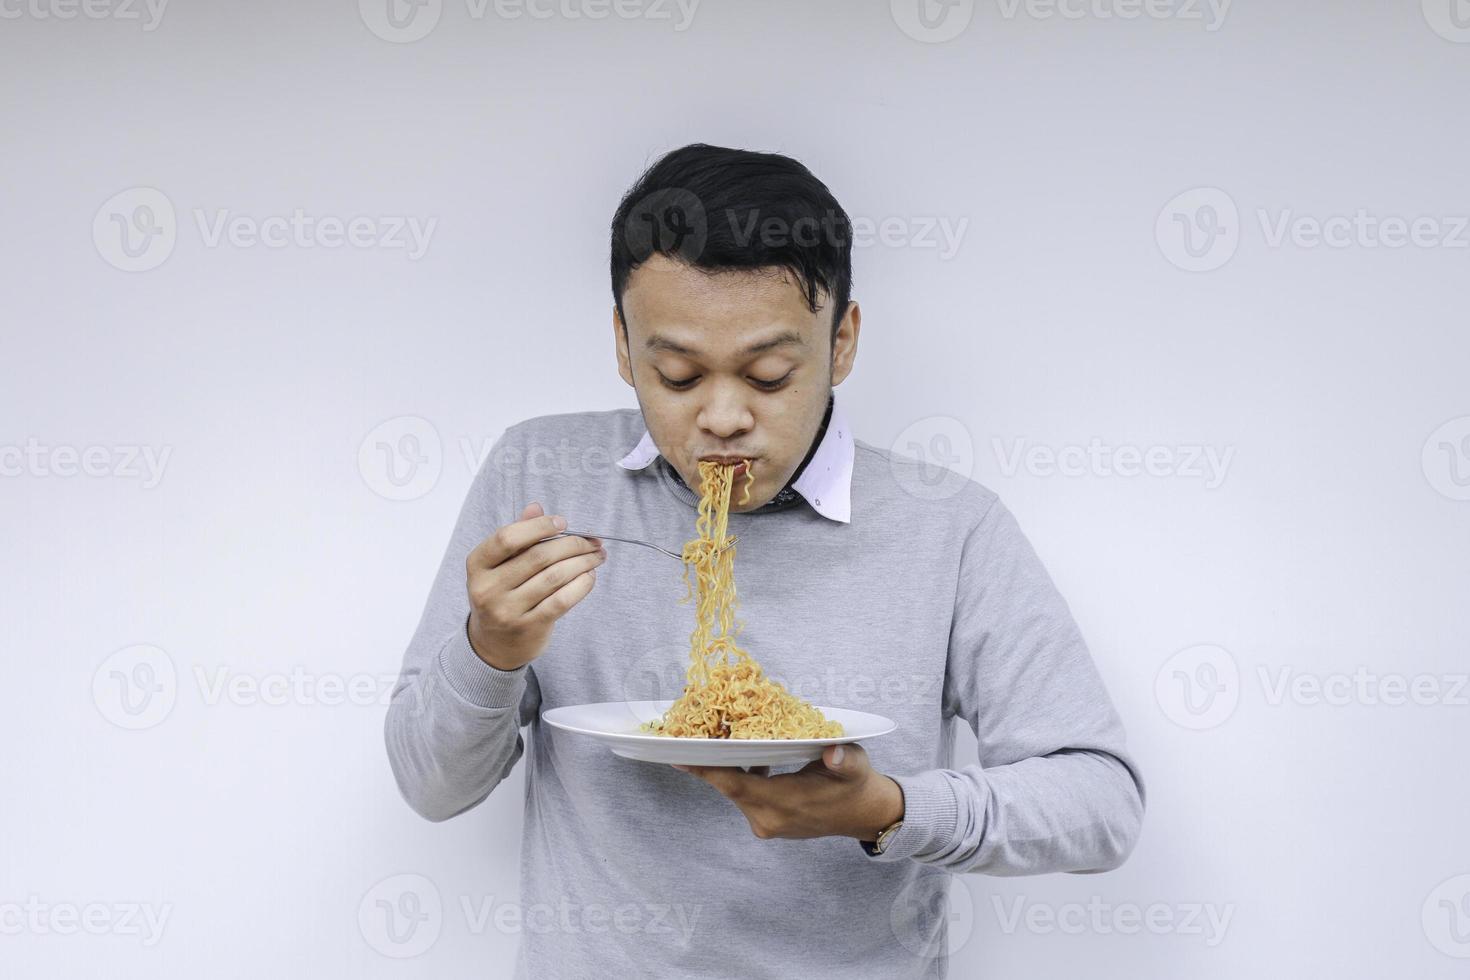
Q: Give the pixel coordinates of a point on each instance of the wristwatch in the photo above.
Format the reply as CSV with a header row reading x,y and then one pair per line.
x,y
885,836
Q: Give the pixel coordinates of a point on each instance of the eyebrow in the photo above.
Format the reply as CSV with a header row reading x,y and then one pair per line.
x,y
786,338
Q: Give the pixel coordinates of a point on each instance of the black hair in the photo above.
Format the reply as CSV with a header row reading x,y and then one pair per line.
x,y
717,208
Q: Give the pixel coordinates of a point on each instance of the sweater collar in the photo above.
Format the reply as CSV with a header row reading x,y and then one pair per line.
x,y
824,480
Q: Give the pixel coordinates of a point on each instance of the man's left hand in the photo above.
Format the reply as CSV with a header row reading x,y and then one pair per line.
x,y
838,795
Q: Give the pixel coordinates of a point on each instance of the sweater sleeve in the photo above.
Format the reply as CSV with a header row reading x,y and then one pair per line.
x,y
1055,789
453,725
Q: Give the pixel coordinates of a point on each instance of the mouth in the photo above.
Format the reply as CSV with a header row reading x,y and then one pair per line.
x,y
739,462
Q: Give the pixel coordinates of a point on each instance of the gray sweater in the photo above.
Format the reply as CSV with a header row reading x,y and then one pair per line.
x,y
926,606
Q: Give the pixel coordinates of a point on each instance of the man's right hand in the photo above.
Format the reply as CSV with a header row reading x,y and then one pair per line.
x,y
520,586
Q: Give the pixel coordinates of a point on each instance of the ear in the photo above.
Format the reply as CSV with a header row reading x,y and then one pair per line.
x,y
620,345
844,344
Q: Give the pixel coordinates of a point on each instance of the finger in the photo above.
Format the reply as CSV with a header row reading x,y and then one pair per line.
x,y
544,554
848,759
531,593
512,539
555,606
731,781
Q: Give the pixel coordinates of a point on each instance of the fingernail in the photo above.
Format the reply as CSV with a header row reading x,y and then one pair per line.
x,y
837,755
560,522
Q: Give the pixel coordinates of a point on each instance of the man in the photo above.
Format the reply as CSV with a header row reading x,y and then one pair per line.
x,y
733,323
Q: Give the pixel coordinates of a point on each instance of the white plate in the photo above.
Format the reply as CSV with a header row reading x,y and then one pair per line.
x,y
615,724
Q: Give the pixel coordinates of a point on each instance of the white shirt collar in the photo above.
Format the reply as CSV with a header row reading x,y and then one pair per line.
x,y
826,483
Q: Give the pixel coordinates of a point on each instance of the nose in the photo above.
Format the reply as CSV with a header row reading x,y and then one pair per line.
x,y
725,415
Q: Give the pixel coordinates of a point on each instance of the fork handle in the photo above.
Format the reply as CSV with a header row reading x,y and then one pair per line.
x,y
612,537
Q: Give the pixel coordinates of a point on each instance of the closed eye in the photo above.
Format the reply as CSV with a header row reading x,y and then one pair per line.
x,y
686,383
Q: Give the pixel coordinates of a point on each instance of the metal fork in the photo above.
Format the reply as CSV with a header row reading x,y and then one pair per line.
x,y
647,544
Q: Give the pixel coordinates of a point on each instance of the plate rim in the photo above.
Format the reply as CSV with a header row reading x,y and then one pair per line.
x,y
750,742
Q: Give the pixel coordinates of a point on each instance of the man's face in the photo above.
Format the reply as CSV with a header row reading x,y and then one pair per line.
x,y
758,363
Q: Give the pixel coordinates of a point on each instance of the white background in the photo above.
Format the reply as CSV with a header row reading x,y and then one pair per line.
x,y
1328,837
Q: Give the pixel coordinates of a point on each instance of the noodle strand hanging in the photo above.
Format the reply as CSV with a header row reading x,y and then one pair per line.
x,y
726,693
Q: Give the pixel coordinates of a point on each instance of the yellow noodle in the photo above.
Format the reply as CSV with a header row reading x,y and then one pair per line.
x,y
726,693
